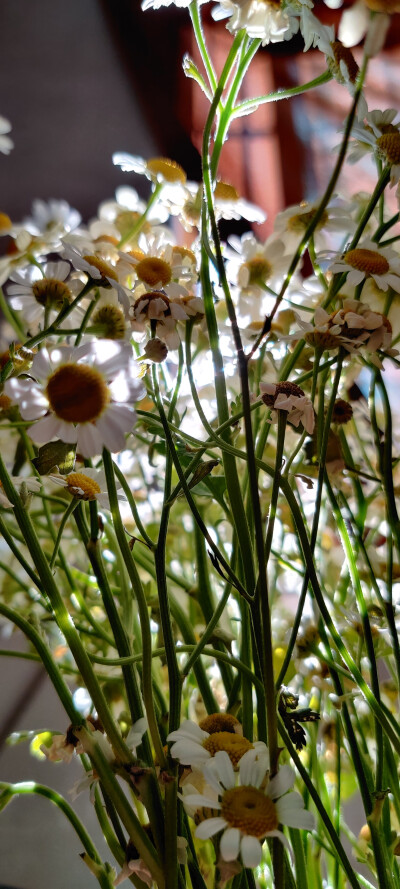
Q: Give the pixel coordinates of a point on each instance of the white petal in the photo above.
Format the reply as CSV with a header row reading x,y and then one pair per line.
x,y
250,849
222,766
208,828
89,440
190,730
200,801
44,430
281,783
229,846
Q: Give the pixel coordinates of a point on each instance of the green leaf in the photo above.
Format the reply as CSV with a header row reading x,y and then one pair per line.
x,y
56,456
5,798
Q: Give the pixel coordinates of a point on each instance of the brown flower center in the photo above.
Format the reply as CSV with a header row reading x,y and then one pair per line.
x,y
77,393
51,292
259,269
286,387
5,222
106,270
369,261
112,321
300,221
250,810
220,722
343,54
389,147
153,271
234,745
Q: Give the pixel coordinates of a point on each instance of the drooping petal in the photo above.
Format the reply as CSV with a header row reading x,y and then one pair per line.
x,y
229,846
250,850
281,782
210,827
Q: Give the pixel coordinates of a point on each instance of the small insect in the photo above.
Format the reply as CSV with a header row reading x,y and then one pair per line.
x,y
292,720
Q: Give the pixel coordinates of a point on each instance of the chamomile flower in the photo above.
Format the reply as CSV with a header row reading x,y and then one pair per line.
x,y
249,810
155,307
157,4
263,20
291,224
6,144
53,218
194,746
287,396
253,265
79,395
33,293
87,484
157,169
367,260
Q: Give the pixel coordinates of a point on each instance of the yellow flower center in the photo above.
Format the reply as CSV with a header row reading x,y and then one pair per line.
x,y
5,222
225,192
167,169
112,321
51,292
153,270
77,393
184,253
220,722
343,54
389,147
320,339
300,221
234,745
82,486
106,270
248,809
259,269
369,261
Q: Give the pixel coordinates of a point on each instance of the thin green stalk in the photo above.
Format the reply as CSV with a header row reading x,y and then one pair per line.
x,y
102,872
139,593
249,105
68,512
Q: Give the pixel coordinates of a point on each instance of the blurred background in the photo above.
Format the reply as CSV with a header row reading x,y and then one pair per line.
x,y
79,81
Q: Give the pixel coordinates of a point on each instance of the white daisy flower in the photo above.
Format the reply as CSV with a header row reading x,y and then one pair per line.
x,y
261,19
157,4
155,307
6,144
52,219
25,486
368,260
79,395
253,264
194,746
87,484
163,266
287,396
357,22
290,225
32,293
248,810
157,169
380,135
97,268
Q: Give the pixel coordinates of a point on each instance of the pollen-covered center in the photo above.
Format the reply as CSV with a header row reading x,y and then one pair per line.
x,y
249,810
343,54
106,270
5,222
258,268
51,293
300,221
286,387
220,722
153,270
77,394
167,169
369,261
389,147
111,320
82,486
234,745
225,192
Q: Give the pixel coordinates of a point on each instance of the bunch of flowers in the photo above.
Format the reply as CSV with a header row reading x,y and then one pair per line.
x,y
199,462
